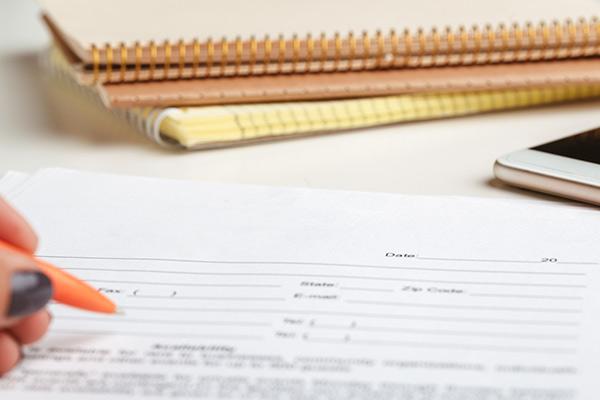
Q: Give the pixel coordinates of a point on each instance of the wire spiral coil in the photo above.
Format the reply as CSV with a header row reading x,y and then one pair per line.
x,y
349,52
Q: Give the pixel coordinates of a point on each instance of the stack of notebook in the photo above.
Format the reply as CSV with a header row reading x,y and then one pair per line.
x,y
200,75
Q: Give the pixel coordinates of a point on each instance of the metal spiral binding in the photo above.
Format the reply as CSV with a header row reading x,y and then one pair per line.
x,y
349,52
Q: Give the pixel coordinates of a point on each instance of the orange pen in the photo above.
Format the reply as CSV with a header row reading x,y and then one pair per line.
x,y
67,289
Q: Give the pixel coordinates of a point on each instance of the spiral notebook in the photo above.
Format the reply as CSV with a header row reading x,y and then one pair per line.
x,y
205,127
152,39
112,42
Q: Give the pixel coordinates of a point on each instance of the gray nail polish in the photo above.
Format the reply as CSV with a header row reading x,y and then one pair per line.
x,y
30,291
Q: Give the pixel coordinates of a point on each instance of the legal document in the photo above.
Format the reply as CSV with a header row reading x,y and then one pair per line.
x,y
248,292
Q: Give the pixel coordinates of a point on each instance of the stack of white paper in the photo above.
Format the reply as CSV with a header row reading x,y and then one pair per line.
x,y
244,292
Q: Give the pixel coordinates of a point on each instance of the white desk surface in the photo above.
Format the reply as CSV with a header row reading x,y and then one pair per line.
x,y
42,127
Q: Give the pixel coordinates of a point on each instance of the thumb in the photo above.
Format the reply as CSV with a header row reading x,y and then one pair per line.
x,y
23,288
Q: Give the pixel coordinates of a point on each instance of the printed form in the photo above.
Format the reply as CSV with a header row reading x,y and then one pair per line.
x,y
246,292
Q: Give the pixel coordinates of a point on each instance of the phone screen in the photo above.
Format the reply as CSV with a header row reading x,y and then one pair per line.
x,y
583,146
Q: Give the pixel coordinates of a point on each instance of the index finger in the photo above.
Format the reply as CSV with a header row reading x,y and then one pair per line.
x,y
14,229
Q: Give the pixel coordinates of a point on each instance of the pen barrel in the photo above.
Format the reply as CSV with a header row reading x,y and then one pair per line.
x,y
66,288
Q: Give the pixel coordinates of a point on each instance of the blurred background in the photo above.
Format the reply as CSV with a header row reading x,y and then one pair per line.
x,y
42,124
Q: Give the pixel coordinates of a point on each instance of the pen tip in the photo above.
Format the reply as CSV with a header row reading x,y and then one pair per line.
x,y
119,311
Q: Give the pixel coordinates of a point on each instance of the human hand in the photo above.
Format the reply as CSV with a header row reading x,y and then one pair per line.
x,y
24,291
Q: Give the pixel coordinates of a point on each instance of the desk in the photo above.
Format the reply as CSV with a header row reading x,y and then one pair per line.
x,y
454,156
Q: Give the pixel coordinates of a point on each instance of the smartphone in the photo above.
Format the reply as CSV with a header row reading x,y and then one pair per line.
x,y
568,167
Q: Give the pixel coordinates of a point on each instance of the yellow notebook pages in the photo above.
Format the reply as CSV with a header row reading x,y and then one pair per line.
x,y
228,125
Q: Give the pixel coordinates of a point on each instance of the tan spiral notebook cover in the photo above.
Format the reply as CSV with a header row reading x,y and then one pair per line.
x,y
342,85
148,40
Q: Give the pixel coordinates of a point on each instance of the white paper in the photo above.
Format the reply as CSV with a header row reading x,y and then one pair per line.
x,y
12,181
234,292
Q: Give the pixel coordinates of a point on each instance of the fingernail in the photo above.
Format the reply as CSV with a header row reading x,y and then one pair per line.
x,y
30,291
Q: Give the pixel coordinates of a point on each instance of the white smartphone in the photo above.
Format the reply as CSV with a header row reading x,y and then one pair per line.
x,y
568,167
